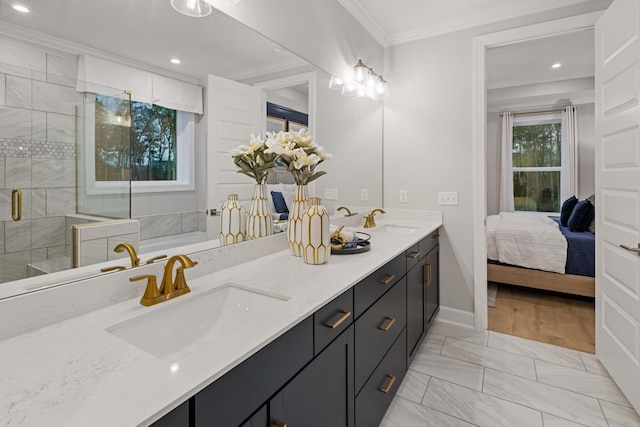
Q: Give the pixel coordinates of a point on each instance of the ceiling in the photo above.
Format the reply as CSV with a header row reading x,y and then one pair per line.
x,y
139,30
146,32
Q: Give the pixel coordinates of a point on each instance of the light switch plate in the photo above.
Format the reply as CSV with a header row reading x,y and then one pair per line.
x,y
448,198
364,194
404,196
331,194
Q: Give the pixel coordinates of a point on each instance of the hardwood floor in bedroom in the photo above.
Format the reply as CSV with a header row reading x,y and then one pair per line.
x,y
550,317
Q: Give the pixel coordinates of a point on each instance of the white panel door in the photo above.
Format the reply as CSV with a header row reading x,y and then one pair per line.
x,y
618,195
234,113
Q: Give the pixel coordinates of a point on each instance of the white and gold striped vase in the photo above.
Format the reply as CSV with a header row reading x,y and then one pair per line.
x,y
259,221
316,239
294,224
232,221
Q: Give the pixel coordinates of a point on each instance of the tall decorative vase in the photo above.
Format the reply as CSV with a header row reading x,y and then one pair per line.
x,y
259,221
316,238
294,225
233,225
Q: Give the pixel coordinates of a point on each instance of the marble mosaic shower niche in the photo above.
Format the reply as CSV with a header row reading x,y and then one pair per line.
x,y
37,155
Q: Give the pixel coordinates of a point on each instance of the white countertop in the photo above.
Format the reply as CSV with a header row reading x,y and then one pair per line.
x,y
75,373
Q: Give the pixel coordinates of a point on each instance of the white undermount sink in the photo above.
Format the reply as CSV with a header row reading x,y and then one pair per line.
x,y
403,230
185,326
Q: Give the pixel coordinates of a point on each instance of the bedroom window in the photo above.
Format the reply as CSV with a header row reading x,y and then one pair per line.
x,y
537,164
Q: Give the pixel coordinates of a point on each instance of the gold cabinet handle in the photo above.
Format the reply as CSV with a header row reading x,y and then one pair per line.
x,y
388,279
414,255
345,316
427,274
389,324
16,204
392,379
279,423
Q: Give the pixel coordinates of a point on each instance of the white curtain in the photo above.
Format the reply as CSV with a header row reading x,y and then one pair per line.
x,y
506,169
569,176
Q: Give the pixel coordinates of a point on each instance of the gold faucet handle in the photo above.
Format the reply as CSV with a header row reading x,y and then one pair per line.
x,y
151,293
113,268
155,258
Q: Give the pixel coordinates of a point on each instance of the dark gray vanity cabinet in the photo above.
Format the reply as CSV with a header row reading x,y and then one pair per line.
x,y
432,289
423,294
322,393
341,366
231,399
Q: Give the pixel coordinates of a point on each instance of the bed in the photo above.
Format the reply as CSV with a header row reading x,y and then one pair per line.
x,y
538,252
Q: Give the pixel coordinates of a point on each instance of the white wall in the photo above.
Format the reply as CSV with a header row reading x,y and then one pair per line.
x,y
291,98
428,139
586,166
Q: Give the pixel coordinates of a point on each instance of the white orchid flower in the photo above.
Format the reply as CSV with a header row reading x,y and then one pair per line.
x,y
303,159
322,154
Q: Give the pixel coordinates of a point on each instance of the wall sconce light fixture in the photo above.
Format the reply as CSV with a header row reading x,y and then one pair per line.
x,y
365,83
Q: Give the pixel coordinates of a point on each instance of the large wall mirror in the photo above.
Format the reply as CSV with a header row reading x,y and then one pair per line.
x,y
39,143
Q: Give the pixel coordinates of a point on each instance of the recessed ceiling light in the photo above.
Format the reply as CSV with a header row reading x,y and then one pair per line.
x,y
175,61
556,65
194,8
20,8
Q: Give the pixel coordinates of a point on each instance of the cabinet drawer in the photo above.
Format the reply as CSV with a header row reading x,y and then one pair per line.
x,y
235,396
429,242
377,283
331,320
377,329
414,256
378,392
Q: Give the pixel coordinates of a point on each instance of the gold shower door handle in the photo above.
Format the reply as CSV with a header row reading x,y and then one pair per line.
x,y
16,204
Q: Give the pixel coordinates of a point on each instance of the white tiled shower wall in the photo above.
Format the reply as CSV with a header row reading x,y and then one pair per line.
x,y
37,154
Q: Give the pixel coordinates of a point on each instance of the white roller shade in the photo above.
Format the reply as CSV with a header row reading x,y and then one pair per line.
x,y
97,75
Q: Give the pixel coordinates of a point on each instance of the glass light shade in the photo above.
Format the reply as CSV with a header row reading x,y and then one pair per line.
x,y
350,89
194,8
361,72
382,89
336,83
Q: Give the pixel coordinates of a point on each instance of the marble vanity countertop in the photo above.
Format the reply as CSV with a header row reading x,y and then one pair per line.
x,y
76,373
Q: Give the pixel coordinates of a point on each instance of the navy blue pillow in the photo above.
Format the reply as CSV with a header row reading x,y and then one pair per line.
x,y
567,209
581,216
278,202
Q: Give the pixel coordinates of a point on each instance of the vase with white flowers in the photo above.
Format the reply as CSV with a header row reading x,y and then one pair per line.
x,y
300,155
254,161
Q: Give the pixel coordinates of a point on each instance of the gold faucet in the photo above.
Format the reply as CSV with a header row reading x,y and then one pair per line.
x,y
121,247
344,208
169,288
369,222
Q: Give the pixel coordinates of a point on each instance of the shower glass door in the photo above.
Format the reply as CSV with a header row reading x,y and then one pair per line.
x,y
104,155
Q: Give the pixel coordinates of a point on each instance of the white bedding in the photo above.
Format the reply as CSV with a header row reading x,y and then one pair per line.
x,y
526,240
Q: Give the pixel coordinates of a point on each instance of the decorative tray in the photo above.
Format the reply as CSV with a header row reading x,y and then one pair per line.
x,y
362,245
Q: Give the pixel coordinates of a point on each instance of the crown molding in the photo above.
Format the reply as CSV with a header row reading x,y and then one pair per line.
x,y
541,102
362,15
69,49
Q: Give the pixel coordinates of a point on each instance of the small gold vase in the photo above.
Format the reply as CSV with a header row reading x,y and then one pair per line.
x,y
294,224
232,221
259,221
316,237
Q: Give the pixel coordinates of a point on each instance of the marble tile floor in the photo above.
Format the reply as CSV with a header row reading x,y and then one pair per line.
x,y
461,377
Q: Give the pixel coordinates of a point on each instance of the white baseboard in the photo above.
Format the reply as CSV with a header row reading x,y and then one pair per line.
x,y
453,316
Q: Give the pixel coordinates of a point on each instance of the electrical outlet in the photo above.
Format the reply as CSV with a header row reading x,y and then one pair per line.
x,y
364,194
404,196
331,194
448,198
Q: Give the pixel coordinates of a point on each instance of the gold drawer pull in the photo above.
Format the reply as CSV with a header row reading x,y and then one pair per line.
x,y
16,204
345,316
279,423
414,255
388,325
427,274
388,279
386,389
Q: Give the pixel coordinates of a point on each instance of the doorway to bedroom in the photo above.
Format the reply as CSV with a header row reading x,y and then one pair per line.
x,y
535,80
